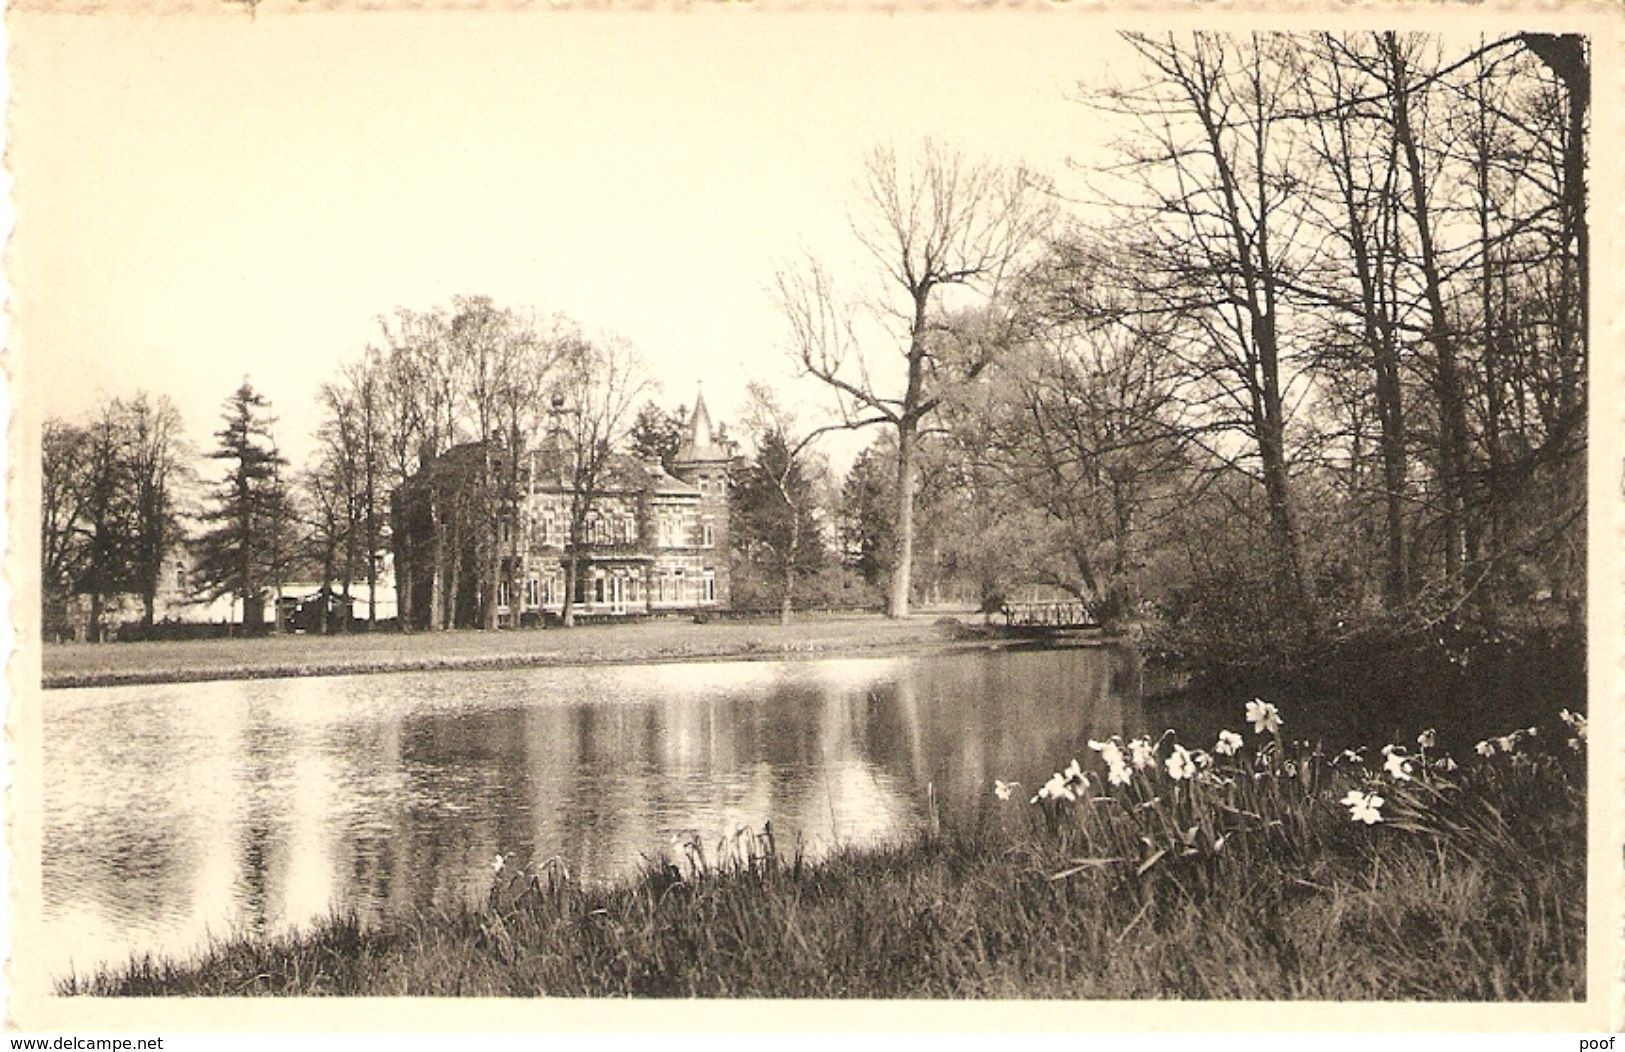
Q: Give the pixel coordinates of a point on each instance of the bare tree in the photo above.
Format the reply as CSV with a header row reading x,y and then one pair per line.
x,y
422,399
599,382
937,226
65,468
155,453
1213,214
1358,275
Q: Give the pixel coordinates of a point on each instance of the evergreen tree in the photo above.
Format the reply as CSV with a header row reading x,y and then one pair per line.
x,y
774,530
247,546
657,434
867,510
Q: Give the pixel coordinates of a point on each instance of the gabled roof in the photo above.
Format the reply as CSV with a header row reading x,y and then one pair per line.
x,y
622,473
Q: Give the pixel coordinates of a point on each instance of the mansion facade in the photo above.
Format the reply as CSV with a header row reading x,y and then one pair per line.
x,y
655,540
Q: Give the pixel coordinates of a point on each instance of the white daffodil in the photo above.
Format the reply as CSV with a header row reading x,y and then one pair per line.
x,y
1265,718
1180,765
497,864
1143,752
1110,751
1229,743
1397,766
1364,807
1064,786
1003,790
1484,748
1428,739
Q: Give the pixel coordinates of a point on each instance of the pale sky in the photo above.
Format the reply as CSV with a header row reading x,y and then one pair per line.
x,y
207,196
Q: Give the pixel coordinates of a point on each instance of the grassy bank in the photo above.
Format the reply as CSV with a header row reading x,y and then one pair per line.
x,y
86,665
1269,871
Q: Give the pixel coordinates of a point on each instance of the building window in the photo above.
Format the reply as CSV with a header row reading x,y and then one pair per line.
x,y
707,537
598,587
180,577
708,586
504,596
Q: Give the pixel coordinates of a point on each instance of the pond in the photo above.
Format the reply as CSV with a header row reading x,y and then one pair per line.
x,y
177,812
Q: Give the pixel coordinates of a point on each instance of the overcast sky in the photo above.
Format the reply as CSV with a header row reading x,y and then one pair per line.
x,y
206,197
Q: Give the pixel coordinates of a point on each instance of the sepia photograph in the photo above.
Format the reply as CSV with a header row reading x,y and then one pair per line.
x,y
706,503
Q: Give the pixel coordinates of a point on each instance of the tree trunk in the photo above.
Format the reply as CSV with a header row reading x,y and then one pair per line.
x,y
787,601
327,576
907,439
1452,413
493,569
405,594
454,573
348,578
253,614
567,616
1272,454
1492,380
437,573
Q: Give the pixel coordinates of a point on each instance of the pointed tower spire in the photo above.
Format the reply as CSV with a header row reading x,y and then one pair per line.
x,y
700,444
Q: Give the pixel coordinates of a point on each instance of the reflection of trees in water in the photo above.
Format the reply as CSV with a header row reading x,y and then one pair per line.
x,y
272,810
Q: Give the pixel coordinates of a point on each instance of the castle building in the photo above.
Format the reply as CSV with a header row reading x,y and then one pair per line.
x,y
655,541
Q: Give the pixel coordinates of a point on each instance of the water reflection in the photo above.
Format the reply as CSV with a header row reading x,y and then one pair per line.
x,y
175,811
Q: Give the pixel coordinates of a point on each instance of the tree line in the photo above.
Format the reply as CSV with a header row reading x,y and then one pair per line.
x,y
1309,356
414,455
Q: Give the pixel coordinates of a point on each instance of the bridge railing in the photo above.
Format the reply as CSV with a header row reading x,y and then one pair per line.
x,y
1047,615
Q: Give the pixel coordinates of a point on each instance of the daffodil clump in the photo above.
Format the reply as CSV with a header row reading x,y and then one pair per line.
x,y
1155,799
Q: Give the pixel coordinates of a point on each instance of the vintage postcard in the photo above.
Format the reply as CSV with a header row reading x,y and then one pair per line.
x,y
717,510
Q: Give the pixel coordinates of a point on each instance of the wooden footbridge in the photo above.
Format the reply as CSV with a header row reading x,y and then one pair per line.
x,y
1047,618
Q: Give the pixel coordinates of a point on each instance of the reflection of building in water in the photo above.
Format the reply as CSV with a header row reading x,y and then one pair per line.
x,y
262,805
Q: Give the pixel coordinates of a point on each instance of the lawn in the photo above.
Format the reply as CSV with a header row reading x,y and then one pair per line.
x,y
1256,868
83,664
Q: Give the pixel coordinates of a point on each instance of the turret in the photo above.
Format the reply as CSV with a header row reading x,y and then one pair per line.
x,y
702,462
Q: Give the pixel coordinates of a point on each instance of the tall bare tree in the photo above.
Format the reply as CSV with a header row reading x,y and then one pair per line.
x,y
65,469
1213,214
599,383
935,227
156,457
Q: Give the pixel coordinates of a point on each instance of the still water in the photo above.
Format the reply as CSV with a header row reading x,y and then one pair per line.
x,y
178,811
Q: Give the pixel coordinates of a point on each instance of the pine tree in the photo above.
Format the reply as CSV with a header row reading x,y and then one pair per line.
x,y
247,545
